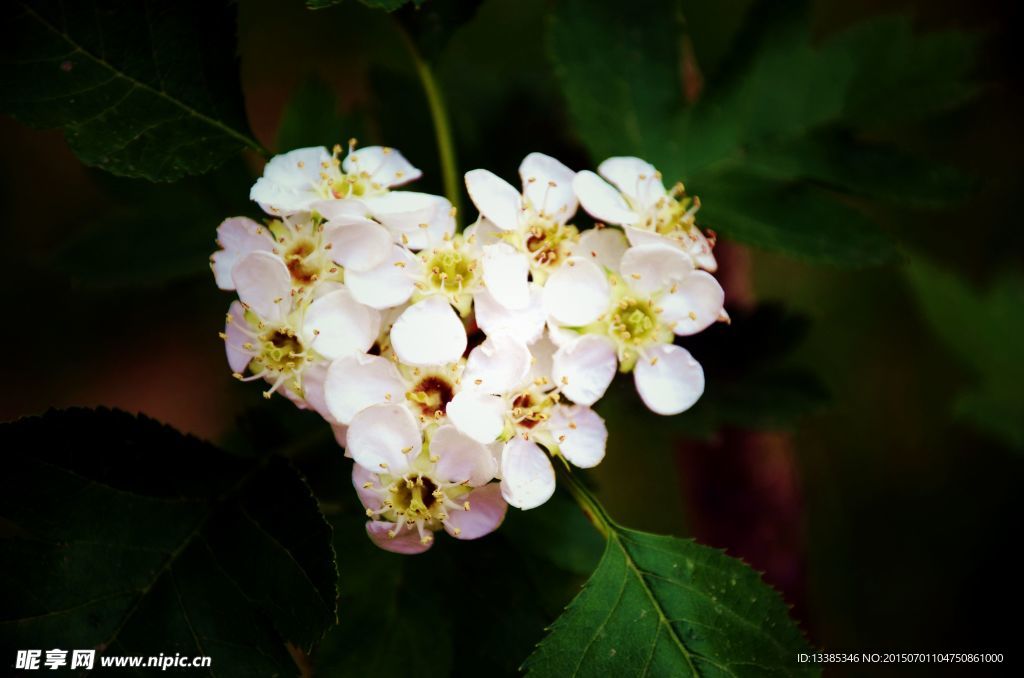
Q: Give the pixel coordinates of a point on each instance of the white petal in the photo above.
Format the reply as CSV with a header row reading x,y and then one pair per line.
x,y
357,244
289,180
527,478
429,333
636,178
506,273
340,208
236,338
337,325
585,368
368,497
561,336
647,268
479,415
313,385
383,165
483,232
486,512
581,434
416,220
383,437
498,365
639,236
407,542
462,459
547,186
390,283
693,304
543,353
604,246
358,381
526,325
601,200
577,293
264,285
495,198
237,237
668,379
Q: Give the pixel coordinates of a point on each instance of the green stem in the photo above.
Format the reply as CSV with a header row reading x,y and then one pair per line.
x,y
442,123
598,517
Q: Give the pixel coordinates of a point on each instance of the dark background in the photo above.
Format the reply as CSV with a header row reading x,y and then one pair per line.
x,y
890,523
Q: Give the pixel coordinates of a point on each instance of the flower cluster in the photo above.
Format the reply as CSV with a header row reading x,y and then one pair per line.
x,y
454,366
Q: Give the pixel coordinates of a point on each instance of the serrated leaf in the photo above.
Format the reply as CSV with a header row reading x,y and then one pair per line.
x,y
984,329
624,79
141,89
662,606
130,537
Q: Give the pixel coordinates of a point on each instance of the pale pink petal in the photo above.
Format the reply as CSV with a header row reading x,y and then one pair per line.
x,y
601,200
647,268
495,198
692,304
429,333
581,434
264,284
358,381
356,243
390,283
668,379
382,165
369,497
486,512
337,325
498,365
237,236
604,246
416,220
584,369
383,437
577,293
526,325
547,186
236,337
479,415
527,478
406,542
461,459
636,178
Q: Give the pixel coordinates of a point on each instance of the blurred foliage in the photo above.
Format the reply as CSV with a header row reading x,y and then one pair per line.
x,y
984,330
749,143
145,545
159,103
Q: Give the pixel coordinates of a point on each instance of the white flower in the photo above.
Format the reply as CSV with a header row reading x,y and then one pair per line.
x,y
271,352
508,400
356,382
639,203
300,180
415,482
628,318
530,229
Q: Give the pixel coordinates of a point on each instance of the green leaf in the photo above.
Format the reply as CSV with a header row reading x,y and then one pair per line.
x,y
125,535
664,606
141,89
984,329
756,131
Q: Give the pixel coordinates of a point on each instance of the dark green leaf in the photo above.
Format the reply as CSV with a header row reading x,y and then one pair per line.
x,y
128,536
141,89
984,328
662,606
624,80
